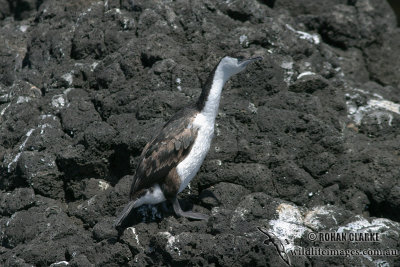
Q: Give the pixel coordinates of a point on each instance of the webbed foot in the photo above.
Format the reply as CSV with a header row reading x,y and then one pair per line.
x,y
188,214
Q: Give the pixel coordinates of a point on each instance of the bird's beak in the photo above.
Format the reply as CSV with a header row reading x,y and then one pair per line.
x,y
248,61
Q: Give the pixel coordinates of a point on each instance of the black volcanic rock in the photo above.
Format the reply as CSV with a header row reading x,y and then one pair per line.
x,y
21,198
306,140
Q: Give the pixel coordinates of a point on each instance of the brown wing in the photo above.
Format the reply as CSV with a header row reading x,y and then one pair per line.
x,y
164,152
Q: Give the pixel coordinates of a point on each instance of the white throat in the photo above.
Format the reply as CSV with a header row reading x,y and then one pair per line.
x,y
210,109
205,120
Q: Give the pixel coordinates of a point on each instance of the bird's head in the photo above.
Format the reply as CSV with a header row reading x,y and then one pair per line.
x,y
233,65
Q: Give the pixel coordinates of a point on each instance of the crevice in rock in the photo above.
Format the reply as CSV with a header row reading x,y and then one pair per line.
x,y
18,7
324,32
38,4
371,76
264,43
275,188
120,162
383,209
98,107
148,60
309,172
269,3
26,62
68,194
238,15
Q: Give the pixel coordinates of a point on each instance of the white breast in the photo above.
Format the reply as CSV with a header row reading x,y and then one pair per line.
x,y
188,168
153,196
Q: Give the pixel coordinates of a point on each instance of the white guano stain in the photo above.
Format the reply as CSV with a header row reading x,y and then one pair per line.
x,y
43,126
4,109
312,38
306,73
293,222
178,81
68,78
58,101
288,67
253,109
21,149
93,65
103,185
288,226
244,40
61,100
171,240
23,28
136,236
45,116
23,99
379,225
376,107
60,263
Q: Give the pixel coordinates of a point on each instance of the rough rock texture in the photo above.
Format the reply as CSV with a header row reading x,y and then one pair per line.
x,y
307,140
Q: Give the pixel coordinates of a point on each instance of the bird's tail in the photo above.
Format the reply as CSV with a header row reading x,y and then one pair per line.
x,y
127,210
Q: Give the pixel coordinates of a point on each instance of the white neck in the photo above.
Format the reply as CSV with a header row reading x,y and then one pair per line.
x,y
210,109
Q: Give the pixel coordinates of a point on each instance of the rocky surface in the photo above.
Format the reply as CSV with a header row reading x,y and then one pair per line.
x,y
306,140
